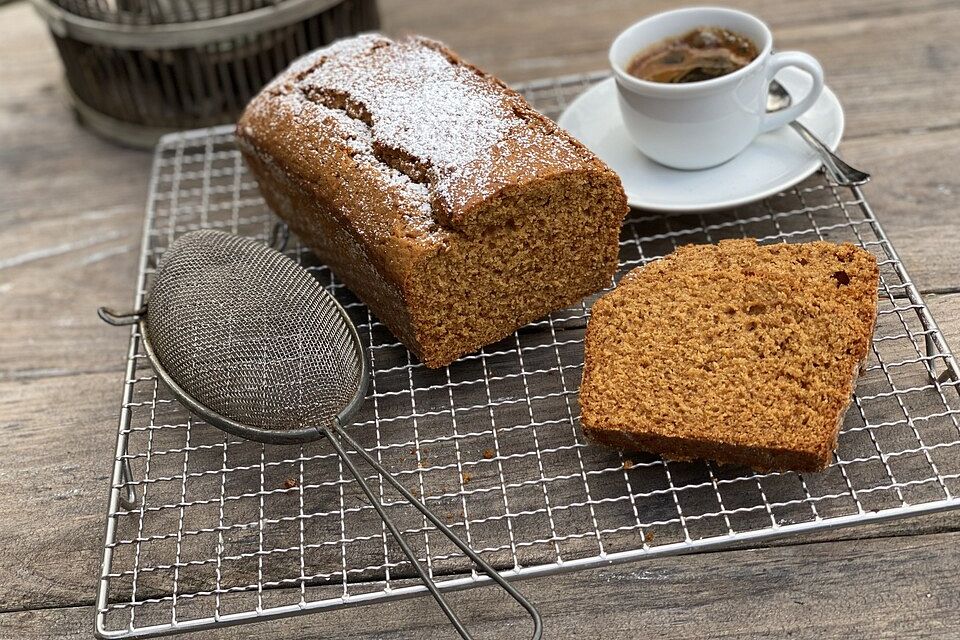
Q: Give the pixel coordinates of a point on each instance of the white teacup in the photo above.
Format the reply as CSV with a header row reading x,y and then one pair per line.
x,y
697,125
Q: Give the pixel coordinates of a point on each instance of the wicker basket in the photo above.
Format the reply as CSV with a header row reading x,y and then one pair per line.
x,y
137,69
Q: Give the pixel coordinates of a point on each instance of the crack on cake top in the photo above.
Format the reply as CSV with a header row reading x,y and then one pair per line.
x,y
441,122
356,139
398,159
403,173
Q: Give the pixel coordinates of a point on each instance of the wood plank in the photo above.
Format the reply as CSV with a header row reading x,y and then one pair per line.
x,y
888,62
47,162
900,587
56,269
942,306
58,437
865,28
75,217
70,223
897,91
914,196
54,273
68,453
70,216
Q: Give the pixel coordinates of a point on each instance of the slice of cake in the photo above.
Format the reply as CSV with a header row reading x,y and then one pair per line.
x,y
740,353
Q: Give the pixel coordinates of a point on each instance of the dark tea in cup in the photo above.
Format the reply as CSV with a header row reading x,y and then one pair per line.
x,y
701,54
696,94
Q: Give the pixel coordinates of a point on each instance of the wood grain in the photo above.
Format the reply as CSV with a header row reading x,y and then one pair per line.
x,y
848,589
63,430
887,61
70,222
88,235
915,199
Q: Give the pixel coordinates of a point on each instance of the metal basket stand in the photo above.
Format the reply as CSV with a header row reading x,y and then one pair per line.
x,y
138,69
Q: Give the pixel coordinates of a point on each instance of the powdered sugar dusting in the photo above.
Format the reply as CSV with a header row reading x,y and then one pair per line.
x,y
357,138
442,135
452,121
421,103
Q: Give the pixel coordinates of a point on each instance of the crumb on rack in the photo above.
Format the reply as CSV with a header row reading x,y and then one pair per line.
x,y
648,537
628,464
289,483
467,477
488,454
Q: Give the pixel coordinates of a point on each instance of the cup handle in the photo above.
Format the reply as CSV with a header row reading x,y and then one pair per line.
x,y
805,62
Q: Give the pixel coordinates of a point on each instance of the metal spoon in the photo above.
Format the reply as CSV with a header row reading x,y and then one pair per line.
x,y
839,171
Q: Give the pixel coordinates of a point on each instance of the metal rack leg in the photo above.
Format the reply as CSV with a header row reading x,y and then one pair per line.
x,y
128,501
930,346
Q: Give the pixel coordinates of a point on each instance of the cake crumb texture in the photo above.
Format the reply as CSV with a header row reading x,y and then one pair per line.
x,y
740,353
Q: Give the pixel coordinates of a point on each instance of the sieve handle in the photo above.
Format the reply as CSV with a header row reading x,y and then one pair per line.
x,y
334,435
120,319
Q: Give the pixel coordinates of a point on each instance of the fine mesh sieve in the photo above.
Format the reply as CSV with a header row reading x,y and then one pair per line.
x,y
250,342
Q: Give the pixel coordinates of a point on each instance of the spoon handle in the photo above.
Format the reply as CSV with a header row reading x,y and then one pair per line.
x,y
838,170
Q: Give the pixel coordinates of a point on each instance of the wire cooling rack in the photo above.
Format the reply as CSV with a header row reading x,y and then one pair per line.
x,y
204,529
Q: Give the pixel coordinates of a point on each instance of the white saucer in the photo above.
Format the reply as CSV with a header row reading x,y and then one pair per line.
x,y
774,162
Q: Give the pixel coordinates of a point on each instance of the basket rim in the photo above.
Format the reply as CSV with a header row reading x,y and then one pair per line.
x,y
177,35
132,135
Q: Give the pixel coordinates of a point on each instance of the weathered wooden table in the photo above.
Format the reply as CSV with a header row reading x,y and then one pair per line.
x,y
71,210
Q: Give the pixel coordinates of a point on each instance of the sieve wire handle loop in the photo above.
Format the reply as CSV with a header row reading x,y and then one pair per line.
x,y
334,435
121,319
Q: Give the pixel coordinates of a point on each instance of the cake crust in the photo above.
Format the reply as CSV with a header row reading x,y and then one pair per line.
x,y
437,194
741,353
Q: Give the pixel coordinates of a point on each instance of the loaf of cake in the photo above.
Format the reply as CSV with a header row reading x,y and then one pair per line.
x,y
741,353
439,196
